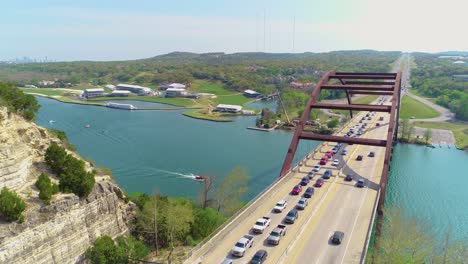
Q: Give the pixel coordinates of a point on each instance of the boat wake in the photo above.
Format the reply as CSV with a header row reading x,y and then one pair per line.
x,y
181,175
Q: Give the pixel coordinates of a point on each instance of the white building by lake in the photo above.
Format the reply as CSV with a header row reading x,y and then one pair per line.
x,y
175,92
228,108
94,92
134,89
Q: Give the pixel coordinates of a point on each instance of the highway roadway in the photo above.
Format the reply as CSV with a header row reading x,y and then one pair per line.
x,y
338,205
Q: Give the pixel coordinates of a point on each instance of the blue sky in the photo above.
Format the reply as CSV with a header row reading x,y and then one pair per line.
x,y
118,30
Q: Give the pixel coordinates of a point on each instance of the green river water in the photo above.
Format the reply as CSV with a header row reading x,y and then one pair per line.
x,y
159,150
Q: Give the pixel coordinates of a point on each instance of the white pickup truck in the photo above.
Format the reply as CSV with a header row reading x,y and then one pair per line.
x,y
261,224
242,245
279,207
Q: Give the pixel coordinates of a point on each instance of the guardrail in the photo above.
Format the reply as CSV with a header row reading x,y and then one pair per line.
x,y
369,230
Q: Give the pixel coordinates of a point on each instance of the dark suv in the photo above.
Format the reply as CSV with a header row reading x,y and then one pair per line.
x,y
337,237
309,192
359,157
259,257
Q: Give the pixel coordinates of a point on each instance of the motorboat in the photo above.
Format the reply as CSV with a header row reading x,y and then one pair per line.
x,y
199,178
87,126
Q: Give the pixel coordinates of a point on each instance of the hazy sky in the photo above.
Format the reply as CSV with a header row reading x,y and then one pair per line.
x,y
131,29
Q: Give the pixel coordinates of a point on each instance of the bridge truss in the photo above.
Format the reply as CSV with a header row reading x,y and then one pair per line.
x,y
386,84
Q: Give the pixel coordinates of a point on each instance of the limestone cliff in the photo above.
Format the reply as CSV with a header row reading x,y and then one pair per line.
x,y
62,231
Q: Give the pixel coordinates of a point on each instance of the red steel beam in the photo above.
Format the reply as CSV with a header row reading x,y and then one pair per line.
x,y
348,140
364,77
370,83
389,146
366,73
371,92
358,107
358,87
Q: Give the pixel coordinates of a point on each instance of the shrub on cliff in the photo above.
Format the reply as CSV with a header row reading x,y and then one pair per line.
x,y
46,188
55,157
17,101
72,172
11,205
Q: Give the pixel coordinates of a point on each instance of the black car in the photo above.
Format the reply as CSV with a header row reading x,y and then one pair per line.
x,y
337,237
305,180
291,216
309,192
372,154
259,257
359,157
327,174
361,183
349,177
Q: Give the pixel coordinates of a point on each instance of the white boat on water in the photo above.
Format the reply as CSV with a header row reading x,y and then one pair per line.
x,y
51,121
121,106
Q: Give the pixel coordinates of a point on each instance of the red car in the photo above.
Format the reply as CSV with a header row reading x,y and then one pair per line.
x,y
329,153
319,183
323,161
296,190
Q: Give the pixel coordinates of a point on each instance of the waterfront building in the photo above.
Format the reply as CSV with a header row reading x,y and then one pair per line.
x,y
228,108
175,92
251,93
120,93
94,92
301,85
164,87
140,90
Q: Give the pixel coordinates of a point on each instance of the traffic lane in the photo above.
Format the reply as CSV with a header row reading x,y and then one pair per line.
x,y
322,235
342,207
347,205
276,218
222,250
260,240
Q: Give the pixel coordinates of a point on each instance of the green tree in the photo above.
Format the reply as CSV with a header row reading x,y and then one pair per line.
x,y
205,222
55,157
333,123
11,205
229,193
133,248
427,135
46,188
105,251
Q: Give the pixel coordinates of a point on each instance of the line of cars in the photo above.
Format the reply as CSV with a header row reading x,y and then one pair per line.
x,y
274,238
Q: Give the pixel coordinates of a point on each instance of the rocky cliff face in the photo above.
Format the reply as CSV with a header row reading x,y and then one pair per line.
x,y
62,231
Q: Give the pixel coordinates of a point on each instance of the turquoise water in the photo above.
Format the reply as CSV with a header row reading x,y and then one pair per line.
x,y
431,185
153,150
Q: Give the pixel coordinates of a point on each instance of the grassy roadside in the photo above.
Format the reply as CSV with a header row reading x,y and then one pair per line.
x,y
460,131
411,107
43,91
212,117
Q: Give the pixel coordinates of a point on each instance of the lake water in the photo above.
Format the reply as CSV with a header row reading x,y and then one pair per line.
x,y
431,185
148,150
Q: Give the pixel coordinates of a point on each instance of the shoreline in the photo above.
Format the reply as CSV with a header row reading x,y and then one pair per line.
x,y
96,103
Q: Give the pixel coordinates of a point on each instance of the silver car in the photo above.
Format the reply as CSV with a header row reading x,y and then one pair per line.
x,y
303,202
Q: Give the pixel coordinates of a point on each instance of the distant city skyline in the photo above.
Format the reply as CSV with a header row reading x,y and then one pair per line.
x,y
121,30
